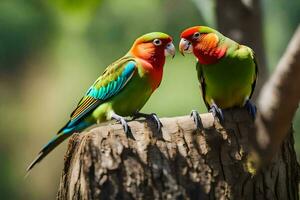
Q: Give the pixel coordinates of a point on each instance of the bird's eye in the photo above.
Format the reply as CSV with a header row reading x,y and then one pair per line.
x,y
157,42
196,35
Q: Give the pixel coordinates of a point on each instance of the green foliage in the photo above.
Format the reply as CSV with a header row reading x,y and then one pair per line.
x,y
281,20
73,6
20,24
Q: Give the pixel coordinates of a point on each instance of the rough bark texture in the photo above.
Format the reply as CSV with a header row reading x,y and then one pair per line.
x,y
241,20
178,163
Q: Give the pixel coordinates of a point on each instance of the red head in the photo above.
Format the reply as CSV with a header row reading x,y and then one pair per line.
x,y
153,47
203,42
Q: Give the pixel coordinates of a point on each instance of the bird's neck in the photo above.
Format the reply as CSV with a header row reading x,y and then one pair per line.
x,y
152,62
208,50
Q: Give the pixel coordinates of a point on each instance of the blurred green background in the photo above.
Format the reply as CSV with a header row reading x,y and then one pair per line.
x,y
52,50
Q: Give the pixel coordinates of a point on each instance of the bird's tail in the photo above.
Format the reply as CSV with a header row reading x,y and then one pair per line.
x,y
63,134
48,148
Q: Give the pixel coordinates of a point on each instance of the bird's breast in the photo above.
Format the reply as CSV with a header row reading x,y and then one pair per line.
x,y
152,73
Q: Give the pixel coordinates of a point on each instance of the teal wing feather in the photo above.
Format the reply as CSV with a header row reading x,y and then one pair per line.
x,y
110,83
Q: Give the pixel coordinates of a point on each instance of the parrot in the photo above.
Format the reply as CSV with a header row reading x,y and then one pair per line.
x,y
121,91
227,71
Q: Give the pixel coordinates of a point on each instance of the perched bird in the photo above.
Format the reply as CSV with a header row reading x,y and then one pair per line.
x,y
227,71
122,89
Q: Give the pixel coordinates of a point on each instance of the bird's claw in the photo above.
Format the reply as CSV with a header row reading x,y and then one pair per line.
x,y
152,117
251,108
196,117
217,112
123,122
157,121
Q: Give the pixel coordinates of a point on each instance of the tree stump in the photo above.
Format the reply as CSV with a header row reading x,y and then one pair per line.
x,y
180,162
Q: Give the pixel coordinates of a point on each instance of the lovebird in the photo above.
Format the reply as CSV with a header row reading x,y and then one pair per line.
x,y
227,71
122,90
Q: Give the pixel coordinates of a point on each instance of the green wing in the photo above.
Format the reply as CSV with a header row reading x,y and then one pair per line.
x,y
255,75
110,83
202,83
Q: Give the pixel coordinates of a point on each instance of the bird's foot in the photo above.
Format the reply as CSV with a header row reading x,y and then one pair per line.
x,y
251,108
151,116
196,117
217,112
122,121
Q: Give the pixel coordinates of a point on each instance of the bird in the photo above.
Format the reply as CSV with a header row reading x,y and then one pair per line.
x,y
122,90
227,71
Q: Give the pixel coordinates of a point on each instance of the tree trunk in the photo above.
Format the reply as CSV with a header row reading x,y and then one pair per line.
x,y
178,163
241,20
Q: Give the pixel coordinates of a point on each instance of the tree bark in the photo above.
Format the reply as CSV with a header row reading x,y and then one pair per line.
x,y
180,162
241,20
